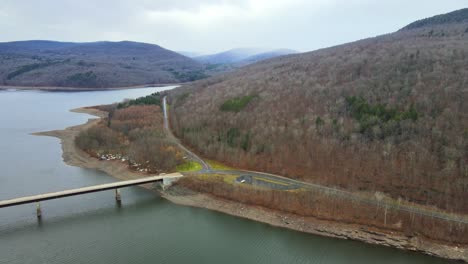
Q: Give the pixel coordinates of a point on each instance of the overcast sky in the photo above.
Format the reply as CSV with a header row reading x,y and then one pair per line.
x,y
214,25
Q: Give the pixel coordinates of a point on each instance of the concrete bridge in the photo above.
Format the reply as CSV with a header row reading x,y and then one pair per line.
x,y
166,180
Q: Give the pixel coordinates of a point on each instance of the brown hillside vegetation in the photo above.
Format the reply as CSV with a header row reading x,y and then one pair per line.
x,y
326,206
387,114
134,133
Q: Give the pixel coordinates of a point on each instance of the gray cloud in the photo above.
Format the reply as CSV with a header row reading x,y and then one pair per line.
x,y
213,25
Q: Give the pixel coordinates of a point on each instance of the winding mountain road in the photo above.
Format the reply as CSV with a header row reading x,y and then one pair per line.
x,y
206,167
278,182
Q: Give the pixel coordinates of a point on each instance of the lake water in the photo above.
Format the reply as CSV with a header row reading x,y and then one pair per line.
x,y
146,229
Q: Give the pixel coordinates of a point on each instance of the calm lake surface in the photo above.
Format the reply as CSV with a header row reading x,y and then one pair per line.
x,y
146,229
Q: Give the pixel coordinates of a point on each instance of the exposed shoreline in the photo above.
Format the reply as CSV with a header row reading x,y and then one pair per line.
x,y
76,157
81,89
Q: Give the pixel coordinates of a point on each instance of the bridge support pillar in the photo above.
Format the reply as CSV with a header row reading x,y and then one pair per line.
x,y
38,210
167,182
118,197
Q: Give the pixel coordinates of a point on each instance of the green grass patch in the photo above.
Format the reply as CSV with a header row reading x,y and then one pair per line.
x,y
189,166
216,165
226,178
274,182
237,104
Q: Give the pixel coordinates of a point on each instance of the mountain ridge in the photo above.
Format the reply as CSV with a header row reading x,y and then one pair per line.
x,y
457,16
93,64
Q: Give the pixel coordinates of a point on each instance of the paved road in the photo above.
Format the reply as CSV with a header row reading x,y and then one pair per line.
x,y
346,195
282,183
193,156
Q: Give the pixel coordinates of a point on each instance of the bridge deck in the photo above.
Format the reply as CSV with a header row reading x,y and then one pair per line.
x,y
78,191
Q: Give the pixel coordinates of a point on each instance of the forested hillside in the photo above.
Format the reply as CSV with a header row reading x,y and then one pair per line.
x,y
132,133
382,115
94,65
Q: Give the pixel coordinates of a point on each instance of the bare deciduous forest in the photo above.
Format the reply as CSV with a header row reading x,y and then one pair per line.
x,y
386,114
323,206
134,132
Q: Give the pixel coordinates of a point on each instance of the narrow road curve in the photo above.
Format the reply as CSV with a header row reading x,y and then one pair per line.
x,y
206,167
461,219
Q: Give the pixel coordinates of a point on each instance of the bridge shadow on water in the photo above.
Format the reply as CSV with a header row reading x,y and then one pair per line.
x,y
85,214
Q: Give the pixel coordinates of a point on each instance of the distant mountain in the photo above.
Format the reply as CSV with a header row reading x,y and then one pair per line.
x,y
242,55
33,46
94,64
230,56
449,18
267,55
190,54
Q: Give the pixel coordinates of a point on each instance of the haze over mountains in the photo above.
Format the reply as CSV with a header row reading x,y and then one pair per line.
x,y
242,56
39,63
381,115
95,64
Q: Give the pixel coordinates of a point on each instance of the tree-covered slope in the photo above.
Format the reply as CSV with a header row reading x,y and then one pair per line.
x,y
386,114
458,16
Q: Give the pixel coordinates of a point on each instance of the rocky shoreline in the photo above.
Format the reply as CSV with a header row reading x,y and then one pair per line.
x,y
76,157
316,226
